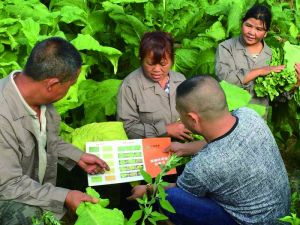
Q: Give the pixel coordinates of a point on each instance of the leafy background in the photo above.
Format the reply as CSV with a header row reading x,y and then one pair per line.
x,y
107,34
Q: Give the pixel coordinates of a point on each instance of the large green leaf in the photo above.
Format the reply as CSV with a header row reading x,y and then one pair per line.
x,y
236,97
96,214
221,7
128,1
31,30
291,55
203,43
99,99
105,131
57,4
216,31
185,60
95,23
71,14
87,42
71,100
29,9
129,27
236,12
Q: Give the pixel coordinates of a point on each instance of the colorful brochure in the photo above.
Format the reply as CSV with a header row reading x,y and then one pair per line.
x,y
126,157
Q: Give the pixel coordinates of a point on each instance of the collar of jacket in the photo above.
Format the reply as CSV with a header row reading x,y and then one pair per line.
x,y
240,44
15,105
147,82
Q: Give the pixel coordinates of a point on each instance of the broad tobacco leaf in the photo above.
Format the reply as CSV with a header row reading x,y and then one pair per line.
x,y
216,31
71,100
128,1
87,42
99,99
31,30
185,60
105,131
29,9
96,214
71,14
238,97
129,27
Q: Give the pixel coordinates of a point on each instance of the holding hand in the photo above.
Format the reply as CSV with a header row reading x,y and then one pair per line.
x,y
297,68
137,192
92,164
74,198
269,69
253,74
185,149
177,130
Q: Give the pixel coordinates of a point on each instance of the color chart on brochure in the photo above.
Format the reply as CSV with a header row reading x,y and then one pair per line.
x,y
126,157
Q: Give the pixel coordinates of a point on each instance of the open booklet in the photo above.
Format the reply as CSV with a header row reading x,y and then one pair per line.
x,y
126,157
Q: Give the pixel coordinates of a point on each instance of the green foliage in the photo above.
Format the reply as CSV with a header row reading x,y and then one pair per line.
x,y
97,214
105,131
48,218
107,34
292,219
238,97
275,84
146,212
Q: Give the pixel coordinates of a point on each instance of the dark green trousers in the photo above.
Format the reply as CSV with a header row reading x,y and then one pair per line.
x,y
15,213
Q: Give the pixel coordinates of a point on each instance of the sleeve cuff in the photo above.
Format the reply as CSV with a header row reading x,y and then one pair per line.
x,y
161,128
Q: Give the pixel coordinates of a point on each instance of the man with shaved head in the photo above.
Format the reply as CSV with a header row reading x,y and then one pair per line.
x,y
238,177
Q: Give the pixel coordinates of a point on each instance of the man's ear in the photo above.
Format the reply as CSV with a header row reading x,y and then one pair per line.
x,y
195,120
51,82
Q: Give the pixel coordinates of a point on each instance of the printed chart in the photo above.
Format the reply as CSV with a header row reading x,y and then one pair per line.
x,y
126,157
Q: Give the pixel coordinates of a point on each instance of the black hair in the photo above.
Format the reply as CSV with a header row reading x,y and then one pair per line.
x,y
187,86
158,42
202,94
260,12
53,57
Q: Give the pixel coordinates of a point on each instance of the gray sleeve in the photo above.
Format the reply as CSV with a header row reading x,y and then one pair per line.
x,y
127,112
14,185
195,183
68,154
226,68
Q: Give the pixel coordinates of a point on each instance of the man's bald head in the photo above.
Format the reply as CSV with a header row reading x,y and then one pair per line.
x,y
203,95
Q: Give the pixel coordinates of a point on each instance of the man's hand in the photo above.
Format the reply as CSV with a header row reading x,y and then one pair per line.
x,y
74,198
92,164
177,130
137,192
185,149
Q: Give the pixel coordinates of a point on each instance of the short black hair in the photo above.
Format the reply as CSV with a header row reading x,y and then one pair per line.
x,y
259,12
160,43
202,94
53,57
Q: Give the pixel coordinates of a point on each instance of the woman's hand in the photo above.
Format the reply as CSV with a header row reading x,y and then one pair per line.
x,y
297,68
263,71
269,69
177,130
92,164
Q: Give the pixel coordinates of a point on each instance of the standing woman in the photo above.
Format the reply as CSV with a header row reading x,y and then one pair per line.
x,y
146,98
240,60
